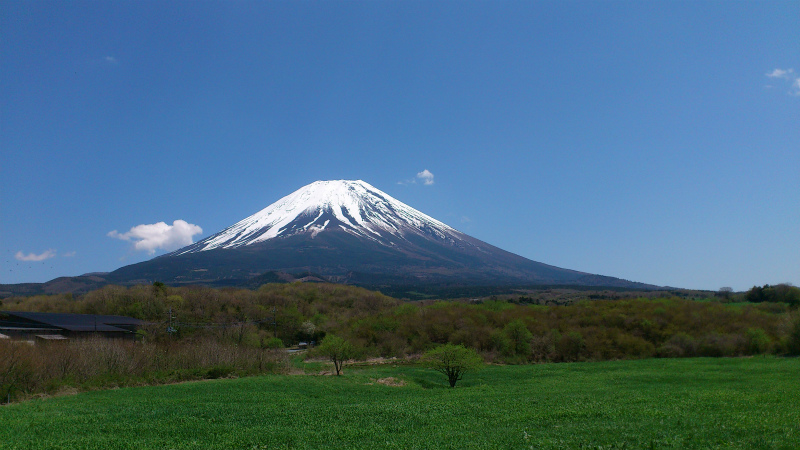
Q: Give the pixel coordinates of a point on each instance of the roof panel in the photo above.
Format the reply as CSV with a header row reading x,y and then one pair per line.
x,y
77,322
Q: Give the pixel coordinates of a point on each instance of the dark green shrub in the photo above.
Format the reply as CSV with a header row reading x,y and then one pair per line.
x,y
570,346
219,371
793,341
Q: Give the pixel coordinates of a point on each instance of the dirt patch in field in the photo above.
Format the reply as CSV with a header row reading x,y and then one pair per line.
x,y
391,381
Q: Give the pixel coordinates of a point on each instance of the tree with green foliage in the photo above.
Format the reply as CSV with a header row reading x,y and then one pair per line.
x,y
788,294
453,361
337,350
159,288
519,337
782,293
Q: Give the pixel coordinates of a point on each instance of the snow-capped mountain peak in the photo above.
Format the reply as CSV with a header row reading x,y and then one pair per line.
x,y
348,232
354,207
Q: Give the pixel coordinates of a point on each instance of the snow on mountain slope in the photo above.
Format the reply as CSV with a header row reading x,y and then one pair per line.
x,y
349,232
354,207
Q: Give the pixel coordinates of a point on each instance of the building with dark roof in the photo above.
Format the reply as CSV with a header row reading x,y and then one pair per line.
x,y
57,326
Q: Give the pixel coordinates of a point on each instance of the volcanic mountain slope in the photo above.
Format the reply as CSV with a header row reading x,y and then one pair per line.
x,y
349,231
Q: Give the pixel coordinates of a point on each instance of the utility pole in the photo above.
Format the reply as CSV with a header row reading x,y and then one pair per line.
x,y
170,330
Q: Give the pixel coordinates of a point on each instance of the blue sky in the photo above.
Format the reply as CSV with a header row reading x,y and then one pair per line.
x,y
652,141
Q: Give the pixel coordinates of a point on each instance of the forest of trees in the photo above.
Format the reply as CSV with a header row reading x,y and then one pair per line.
x,y
200,332
506,331
781,293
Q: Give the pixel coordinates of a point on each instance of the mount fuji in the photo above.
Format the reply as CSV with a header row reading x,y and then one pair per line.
x,y
352,207
350,232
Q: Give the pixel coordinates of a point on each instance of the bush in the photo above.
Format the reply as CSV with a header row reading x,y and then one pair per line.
x,y
680,345
757,341
543,348
17,370
273,343
717,345
793,340
570,346
219,371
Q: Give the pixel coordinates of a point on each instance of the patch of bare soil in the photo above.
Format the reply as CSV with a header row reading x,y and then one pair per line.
x,y
391,381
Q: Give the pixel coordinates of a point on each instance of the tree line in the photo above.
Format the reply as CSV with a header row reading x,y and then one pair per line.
x,y
781,293
201,332
506,331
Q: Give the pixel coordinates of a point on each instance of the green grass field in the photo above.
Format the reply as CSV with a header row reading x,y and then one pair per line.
x,y
655,403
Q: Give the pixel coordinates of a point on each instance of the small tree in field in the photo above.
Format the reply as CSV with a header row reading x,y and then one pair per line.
x,y
337,350
452,361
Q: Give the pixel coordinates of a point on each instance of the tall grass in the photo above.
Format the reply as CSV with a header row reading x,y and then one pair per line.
x,y
29,370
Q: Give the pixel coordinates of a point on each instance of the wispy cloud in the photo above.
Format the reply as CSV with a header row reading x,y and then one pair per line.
x,y
69,254
151,237
781,73
407,182
47,254
426,177
788,75
111,60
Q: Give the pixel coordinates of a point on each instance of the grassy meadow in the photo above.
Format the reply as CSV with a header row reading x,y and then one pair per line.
x,y
650,403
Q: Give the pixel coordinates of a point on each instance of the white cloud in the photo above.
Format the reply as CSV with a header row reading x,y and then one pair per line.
x,y
426,176
788,75
111,60
780,73
69,254
34,257
151,237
